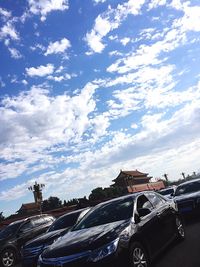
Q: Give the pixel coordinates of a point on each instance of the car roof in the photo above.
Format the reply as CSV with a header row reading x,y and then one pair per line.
x,y
29,218
73,212
133,195
189,182
167,188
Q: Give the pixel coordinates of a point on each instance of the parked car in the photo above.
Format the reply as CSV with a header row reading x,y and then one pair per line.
x,y
16,234
138,225
33,248
168,192
187,197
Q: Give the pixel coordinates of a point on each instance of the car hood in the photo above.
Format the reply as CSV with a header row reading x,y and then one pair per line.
x,y
45,238
86,239
187,196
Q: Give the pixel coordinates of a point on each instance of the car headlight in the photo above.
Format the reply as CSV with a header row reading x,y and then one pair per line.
x,y
104,251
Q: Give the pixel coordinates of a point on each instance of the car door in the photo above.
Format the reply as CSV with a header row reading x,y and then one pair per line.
x,y
165,215
25,233
40,226
149,226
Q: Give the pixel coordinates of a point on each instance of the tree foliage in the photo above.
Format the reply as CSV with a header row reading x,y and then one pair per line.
x,y
51,203
100,193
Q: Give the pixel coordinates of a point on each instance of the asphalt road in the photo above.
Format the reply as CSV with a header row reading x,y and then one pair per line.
x,y
181,254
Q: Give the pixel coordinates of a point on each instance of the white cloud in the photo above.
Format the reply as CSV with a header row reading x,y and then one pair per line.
x,y
14,53
108,21
34,121
24,82
58,47
61,78
156,3
115,53
4,13
99,1
134,126
2,84
8,31
191,19
43,7
40,71
125,41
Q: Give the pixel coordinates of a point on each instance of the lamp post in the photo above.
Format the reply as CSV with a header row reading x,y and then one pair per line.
x,y
166,178
37,192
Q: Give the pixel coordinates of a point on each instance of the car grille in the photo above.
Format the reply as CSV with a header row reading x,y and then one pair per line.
x,y
75,259
32,252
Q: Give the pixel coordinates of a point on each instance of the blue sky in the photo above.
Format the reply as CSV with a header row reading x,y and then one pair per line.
x,y
91,87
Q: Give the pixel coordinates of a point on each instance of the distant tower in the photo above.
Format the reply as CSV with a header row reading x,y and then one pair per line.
x,y
37,192
183,174
166,177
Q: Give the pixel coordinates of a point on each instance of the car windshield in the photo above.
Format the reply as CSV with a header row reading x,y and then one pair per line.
x,y
166,192
110,212
188,188
9,230
65,222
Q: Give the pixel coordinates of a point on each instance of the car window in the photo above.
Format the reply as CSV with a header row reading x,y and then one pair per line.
x,y
9,230
37,222
48,219
82,214
155,200
109,212
166,192
65,222
143,202
28,226
188,188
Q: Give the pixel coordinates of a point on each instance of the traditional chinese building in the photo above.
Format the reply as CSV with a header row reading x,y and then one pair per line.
x,y
134,181
129,178
29,209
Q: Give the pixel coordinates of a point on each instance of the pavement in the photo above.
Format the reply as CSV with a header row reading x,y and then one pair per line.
x,y
181,254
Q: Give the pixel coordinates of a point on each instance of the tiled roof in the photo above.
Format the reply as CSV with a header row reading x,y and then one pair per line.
x,y
29,206
135,173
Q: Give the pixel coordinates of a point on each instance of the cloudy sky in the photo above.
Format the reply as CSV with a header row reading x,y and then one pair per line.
x,y
91,87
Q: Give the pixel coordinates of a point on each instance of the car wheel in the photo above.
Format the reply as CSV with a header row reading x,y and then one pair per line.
x,y
180,229
138,256
8,258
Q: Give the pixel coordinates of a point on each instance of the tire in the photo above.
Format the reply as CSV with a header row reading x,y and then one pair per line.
x,y
138,256
180,229
8,258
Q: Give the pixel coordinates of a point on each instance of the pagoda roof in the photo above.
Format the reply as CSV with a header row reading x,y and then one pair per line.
x,y
30,206
135,174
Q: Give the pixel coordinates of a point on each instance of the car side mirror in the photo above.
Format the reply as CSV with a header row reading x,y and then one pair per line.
x,y
143,212
172,194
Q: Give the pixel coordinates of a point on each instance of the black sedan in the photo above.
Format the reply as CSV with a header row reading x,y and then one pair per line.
x,y
16,234
187,197
61,226
137,226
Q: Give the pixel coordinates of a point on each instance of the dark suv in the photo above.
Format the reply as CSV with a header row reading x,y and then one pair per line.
x,y
16,234
33,248
138,226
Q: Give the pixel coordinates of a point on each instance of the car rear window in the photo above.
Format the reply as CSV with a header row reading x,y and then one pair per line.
x,y
188,188
65,222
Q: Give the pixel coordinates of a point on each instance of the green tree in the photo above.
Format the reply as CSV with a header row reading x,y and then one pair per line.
x,y
51,203
97,194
